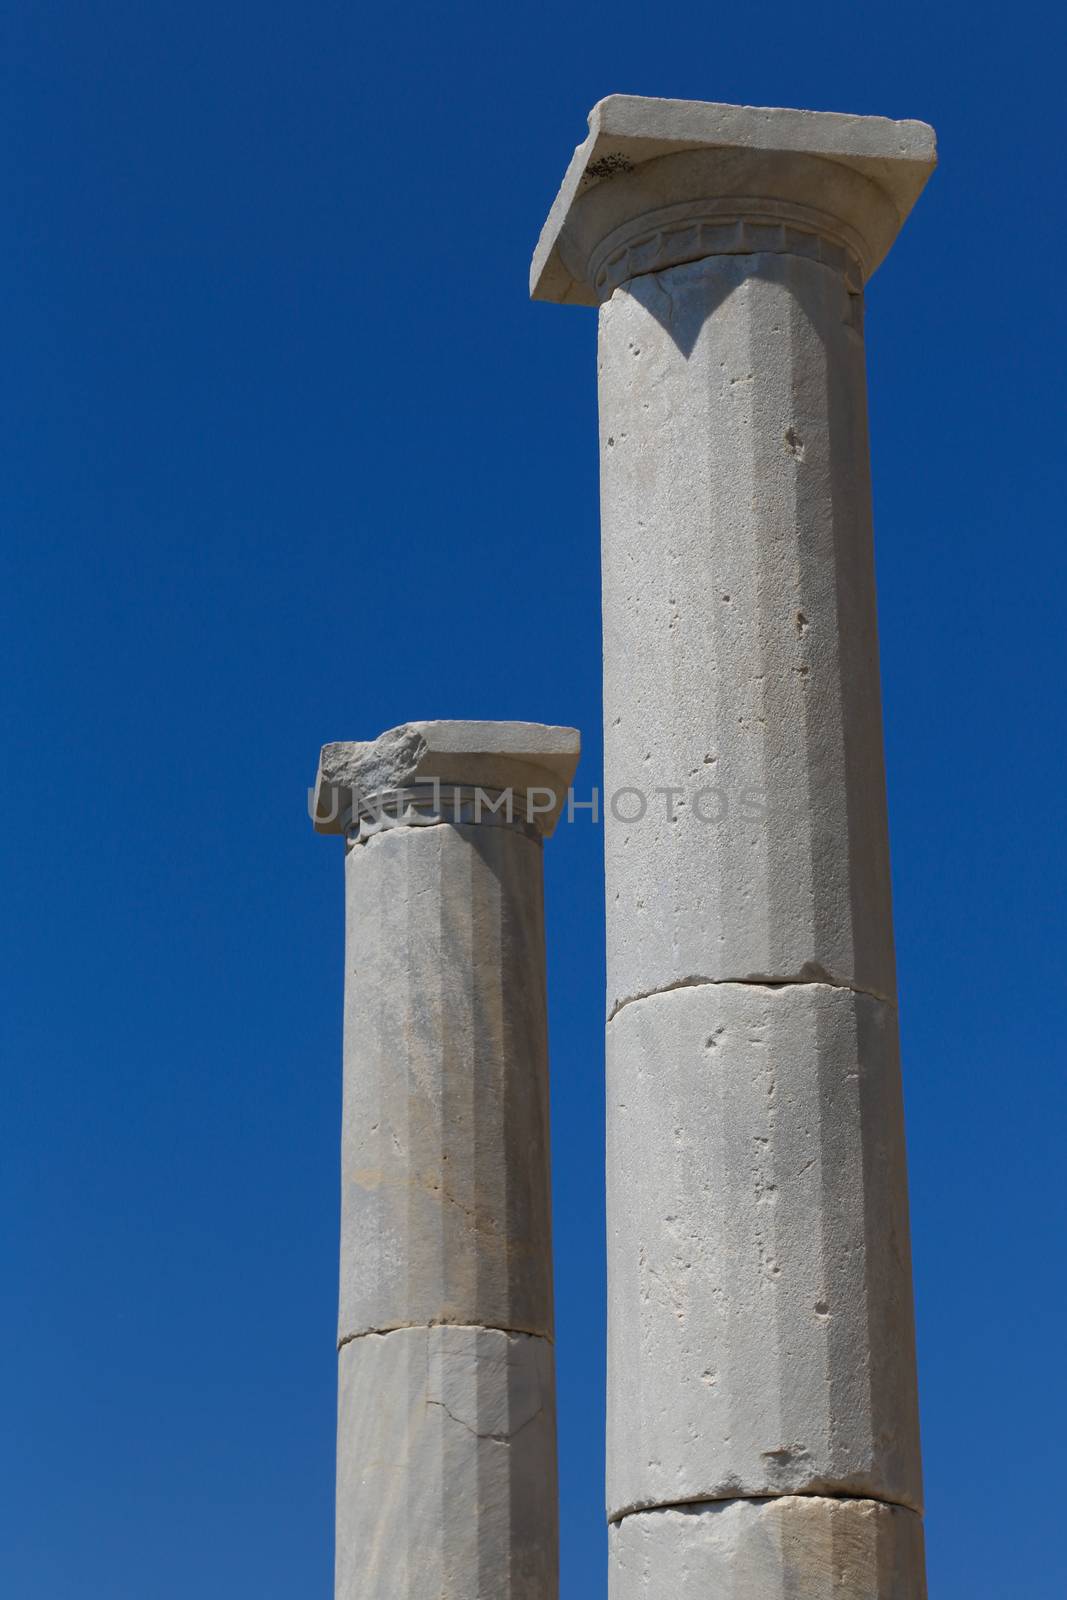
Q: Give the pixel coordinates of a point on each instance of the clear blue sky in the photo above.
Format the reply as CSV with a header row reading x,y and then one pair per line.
x,y
290,457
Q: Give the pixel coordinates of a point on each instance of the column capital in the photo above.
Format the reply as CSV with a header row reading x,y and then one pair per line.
x,y
492,757
660,182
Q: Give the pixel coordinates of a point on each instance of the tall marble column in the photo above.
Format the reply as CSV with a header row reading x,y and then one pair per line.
x,y
446,1447
763,1430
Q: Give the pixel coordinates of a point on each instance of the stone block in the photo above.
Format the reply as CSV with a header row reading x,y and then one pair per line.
x,y
446,1467
445,1210
789,1549
740,633
760,1329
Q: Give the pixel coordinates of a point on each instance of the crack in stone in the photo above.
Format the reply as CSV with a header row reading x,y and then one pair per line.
x,y
497,1438
516,827
750,982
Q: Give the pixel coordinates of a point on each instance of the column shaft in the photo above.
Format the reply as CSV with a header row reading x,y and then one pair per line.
x,y
759,1272
761,1338
446,1430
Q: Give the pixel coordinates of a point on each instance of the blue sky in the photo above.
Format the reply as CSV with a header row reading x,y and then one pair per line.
x,y
290,457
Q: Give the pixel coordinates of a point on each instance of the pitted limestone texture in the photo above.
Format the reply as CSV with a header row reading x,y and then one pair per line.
x,y
759,1273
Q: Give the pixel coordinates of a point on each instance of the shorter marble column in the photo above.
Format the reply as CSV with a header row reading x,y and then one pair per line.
x,y
446,1451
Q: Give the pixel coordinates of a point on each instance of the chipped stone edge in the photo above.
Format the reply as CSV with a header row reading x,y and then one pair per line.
x,y
523,757
627,130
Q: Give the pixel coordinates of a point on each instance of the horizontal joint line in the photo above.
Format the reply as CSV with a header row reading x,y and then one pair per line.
x,y
424,1327
761,1499
747,983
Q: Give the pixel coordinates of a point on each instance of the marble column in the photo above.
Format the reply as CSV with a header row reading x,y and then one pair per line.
x,y
446,1448
762,1407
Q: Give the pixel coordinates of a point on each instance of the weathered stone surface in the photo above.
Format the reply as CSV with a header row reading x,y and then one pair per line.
x,y
446,1476
446,1467
529,757
788,1549
760,1337
740,632
651,166
445,1213
760,1327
